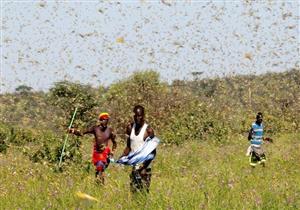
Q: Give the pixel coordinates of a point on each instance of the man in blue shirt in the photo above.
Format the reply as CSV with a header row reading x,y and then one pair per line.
x,y
257,154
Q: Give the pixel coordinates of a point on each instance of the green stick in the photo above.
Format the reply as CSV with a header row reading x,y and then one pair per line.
x,y
66,138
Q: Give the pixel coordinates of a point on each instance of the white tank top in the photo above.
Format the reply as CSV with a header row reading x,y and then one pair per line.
x,y
137,141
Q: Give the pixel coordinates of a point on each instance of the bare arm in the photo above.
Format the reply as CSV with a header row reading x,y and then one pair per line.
x,y
113,140
250,134
77,132
150,132
127,148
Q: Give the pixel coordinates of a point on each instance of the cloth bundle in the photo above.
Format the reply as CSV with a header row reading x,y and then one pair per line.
x,y
142,154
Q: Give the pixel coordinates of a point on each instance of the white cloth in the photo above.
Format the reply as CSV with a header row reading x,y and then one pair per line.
x,y
142,154
249,150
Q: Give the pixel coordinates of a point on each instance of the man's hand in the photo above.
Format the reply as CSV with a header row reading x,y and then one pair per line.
x,y
111,154
111,157
71,130
268,139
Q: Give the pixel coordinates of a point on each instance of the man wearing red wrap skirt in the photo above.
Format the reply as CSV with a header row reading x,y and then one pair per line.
x,y
101,150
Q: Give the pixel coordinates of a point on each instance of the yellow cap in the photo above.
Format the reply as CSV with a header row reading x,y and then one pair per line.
x,y
103,116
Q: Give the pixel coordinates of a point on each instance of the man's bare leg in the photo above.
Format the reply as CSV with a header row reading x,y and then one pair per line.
x,y
100,177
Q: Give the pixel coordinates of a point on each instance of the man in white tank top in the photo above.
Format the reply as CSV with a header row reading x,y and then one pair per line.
x,y
137,132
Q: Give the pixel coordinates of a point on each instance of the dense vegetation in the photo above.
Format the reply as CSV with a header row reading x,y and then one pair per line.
x,y
196,110
208,114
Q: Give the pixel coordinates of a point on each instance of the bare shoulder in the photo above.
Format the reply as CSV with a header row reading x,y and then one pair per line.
x,y
110,129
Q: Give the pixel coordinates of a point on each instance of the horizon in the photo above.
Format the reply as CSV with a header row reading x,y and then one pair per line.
x,y
120,80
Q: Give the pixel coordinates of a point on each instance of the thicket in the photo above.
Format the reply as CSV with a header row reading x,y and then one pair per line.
x,y
208,109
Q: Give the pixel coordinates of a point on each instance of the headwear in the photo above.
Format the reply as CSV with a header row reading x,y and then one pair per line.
x,y
103,116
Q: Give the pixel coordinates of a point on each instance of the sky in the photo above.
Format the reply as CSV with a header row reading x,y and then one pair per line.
x,y
102,42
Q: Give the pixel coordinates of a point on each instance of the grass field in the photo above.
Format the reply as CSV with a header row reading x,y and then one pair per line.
x,y
197,175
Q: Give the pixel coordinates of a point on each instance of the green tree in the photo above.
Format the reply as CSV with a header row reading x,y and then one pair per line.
x,y
143,88
67,96
23,89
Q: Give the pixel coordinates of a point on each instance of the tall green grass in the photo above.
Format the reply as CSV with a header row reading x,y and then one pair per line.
x,y
195,175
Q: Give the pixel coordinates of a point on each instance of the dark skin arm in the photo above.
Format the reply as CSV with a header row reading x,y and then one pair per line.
x,y
264,138
250,134
113,140
127,148
150,132
91,130
77,132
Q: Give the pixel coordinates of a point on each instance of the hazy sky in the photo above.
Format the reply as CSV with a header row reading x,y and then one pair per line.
x,y
100,42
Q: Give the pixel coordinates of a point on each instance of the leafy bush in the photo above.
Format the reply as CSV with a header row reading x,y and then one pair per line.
x,y
184,110
67,96
40,146
193,123
143,88
20,136
15,135
51,152
3,139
